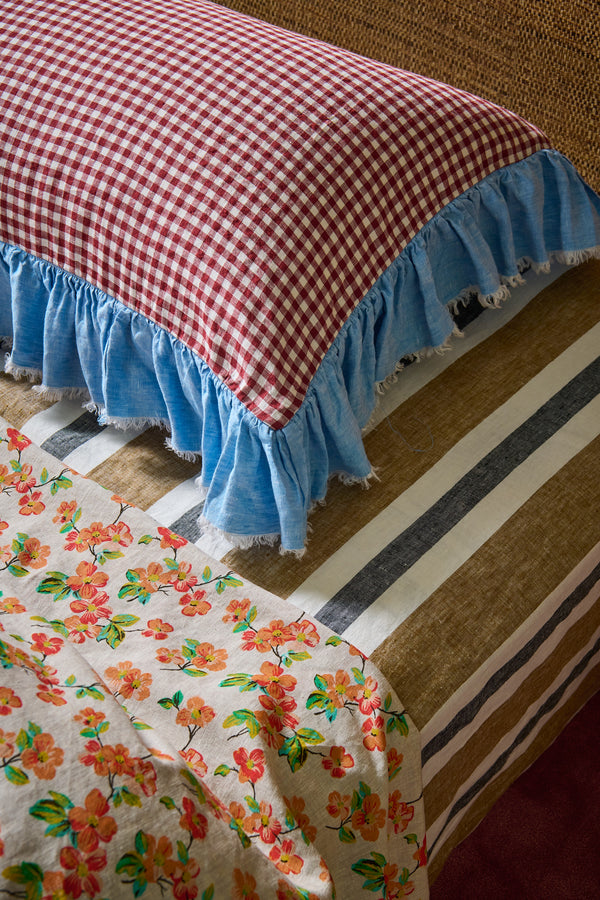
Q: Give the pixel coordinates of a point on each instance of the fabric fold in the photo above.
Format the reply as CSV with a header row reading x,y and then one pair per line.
x,y
259,481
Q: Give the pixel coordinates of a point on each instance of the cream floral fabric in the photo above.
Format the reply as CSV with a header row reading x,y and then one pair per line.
x,y
169,731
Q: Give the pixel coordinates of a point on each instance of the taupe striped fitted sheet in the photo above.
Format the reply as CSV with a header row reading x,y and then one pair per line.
x,y
470,571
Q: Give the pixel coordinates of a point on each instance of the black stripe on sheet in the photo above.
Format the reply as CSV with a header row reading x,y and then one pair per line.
x,y
466,715
549,704
73,435
407,548
187,524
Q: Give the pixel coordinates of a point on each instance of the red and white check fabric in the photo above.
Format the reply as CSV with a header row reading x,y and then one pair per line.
x,y
241,186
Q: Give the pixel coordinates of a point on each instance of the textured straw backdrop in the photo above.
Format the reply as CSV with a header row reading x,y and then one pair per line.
x,y
473,564
540,58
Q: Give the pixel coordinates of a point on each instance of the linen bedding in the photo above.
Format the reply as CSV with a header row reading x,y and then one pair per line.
x,y
235,231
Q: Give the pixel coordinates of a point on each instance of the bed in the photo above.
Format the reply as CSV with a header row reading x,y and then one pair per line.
x,y
351,222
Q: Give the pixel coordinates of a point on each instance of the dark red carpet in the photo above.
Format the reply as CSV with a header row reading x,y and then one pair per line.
x,y
541,841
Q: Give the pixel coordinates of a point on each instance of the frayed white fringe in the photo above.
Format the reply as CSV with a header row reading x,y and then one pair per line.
x,y
53,395
20,372
246,541
188,455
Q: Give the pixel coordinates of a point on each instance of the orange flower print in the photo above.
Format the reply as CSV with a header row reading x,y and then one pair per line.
x,y
17,441
295,806
7,744
337,762
274,680
11,606
182,580
277,633
81,868
252,765
285,859
264,823
340,689
44,644
43,757
8,701
25,479
279,711
78,630
95,534
89,717
244,886
158,859
65,512
370,818
237,610
194,604
256,640
128,682
193,821
165,655
374,731
119,761
75,541
208,658
197,713
153,578
395,761
338,806
34,554
143,778
157,629
399,813
87,581
170,539
304,633
91,823
195,761
31,505
119,534
53,886
53,695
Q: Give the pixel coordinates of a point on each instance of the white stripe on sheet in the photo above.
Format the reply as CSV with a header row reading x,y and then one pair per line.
x,y
46,423
417,499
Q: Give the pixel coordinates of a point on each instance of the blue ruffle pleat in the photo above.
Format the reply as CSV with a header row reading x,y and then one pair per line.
x,y
259,481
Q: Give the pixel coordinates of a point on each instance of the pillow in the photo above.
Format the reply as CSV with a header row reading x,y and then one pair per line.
x,y
213,224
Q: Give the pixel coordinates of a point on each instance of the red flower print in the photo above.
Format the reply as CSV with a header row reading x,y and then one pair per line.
x,y
395,761
374,730
421,854
399,813
89,717
7,478
97,757
274,680
75,541
269,730
182,580
256,640
197,713
264,824
93,609
279,711
285,859
65,511
170,539
354,651
252,765
88,580
185,880
43,757
165,655
31,504
194,604
91,823
370,818
42,643
244,886
340,689
118,534
25,480
337,762
193,821
34,554
8,701
237,611
304,633
157,629
368,699
143,778
208,658
338,806
17,441
81,868
79,630
7,743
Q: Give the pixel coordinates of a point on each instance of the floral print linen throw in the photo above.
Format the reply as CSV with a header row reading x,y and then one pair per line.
x,y
169,731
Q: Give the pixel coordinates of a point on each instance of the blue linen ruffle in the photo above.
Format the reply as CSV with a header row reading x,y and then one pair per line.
x,y
259,481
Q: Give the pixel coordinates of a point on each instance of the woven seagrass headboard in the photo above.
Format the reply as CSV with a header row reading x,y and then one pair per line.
x,y
540,58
